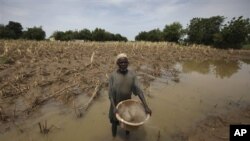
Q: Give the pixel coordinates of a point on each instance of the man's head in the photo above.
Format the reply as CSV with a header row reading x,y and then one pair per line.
x,y
122,62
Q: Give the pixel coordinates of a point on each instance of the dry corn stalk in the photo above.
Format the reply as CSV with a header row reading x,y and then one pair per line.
x,y
92,58
44,129
95,93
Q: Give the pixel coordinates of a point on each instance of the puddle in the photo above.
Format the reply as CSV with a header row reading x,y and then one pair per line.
x,y
203,89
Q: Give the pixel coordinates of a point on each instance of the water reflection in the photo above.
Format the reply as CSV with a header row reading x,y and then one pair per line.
x,y
221,68
192,66
225,69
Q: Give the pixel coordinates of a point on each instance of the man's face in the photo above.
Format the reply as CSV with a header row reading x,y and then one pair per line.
x,y
123,64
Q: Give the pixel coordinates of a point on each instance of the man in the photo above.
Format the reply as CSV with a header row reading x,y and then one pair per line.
x,y
122,83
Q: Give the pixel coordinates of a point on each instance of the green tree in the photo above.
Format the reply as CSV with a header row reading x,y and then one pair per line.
x,y
98,34
204,30
14,30
69,35
5,33
85,34
101,35
65,36
119,37
235,33
173,32
35,33
154,35
58,35
194,31
142,36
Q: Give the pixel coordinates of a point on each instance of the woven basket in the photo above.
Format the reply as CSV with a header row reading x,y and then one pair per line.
x,y
128,104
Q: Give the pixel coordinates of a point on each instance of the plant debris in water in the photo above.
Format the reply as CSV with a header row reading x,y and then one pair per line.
x,y
32,73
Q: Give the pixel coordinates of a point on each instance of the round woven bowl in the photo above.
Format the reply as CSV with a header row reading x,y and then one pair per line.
x,y
127,125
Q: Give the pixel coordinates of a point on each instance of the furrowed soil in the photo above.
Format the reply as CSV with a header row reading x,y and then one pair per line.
x,y
33,74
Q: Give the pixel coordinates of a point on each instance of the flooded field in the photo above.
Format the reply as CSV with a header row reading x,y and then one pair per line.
x,y
199,104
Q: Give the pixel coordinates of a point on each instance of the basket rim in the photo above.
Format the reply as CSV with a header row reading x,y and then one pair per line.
x,y
126,122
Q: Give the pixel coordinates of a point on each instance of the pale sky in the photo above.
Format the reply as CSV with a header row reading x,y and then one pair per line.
x,y
127,17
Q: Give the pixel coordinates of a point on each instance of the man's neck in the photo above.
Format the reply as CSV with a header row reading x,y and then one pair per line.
x,y
122,71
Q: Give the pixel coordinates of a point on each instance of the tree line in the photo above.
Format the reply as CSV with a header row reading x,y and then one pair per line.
x,y
208,31
14,30
85,34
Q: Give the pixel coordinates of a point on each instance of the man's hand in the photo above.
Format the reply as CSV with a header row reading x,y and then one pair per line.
x,y
148,111
115,110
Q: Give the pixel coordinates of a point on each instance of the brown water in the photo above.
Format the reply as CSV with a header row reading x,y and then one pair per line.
x,y
208,88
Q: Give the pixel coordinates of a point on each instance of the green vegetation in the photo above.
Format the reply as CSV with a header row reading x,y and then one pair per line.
x,y
247,46
35,33
204,30
97,35
11,31
3,60
154,35
171,33
208,31
235,33
14,30
6,60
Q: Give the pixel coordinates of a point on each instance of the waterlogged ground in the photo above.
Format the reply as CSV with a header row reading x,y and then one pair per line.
x,y
199,104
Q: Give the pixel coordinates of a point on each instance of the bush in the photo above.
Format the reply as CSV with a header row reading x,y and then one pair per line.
x,y
235,33
35,33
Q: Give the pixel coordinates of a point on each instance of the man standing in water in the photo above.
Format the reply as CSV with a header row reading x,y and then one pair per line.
x,y
122,83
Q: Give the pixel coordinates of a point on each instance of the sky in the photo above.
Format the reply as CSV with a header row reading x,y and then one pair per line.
x,y
127,17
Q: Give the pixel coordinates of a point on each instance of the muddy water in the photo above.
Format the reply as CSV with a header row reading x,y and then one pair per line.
x,y
203,89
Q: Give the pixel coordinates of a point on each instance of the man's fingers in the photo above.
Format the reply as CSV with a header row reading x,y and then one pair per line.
x,y
115,111
148,111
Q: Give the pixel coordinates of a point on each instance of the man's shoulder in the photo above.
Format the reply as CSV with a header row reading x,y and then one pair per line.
x,y
113,74
132,73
